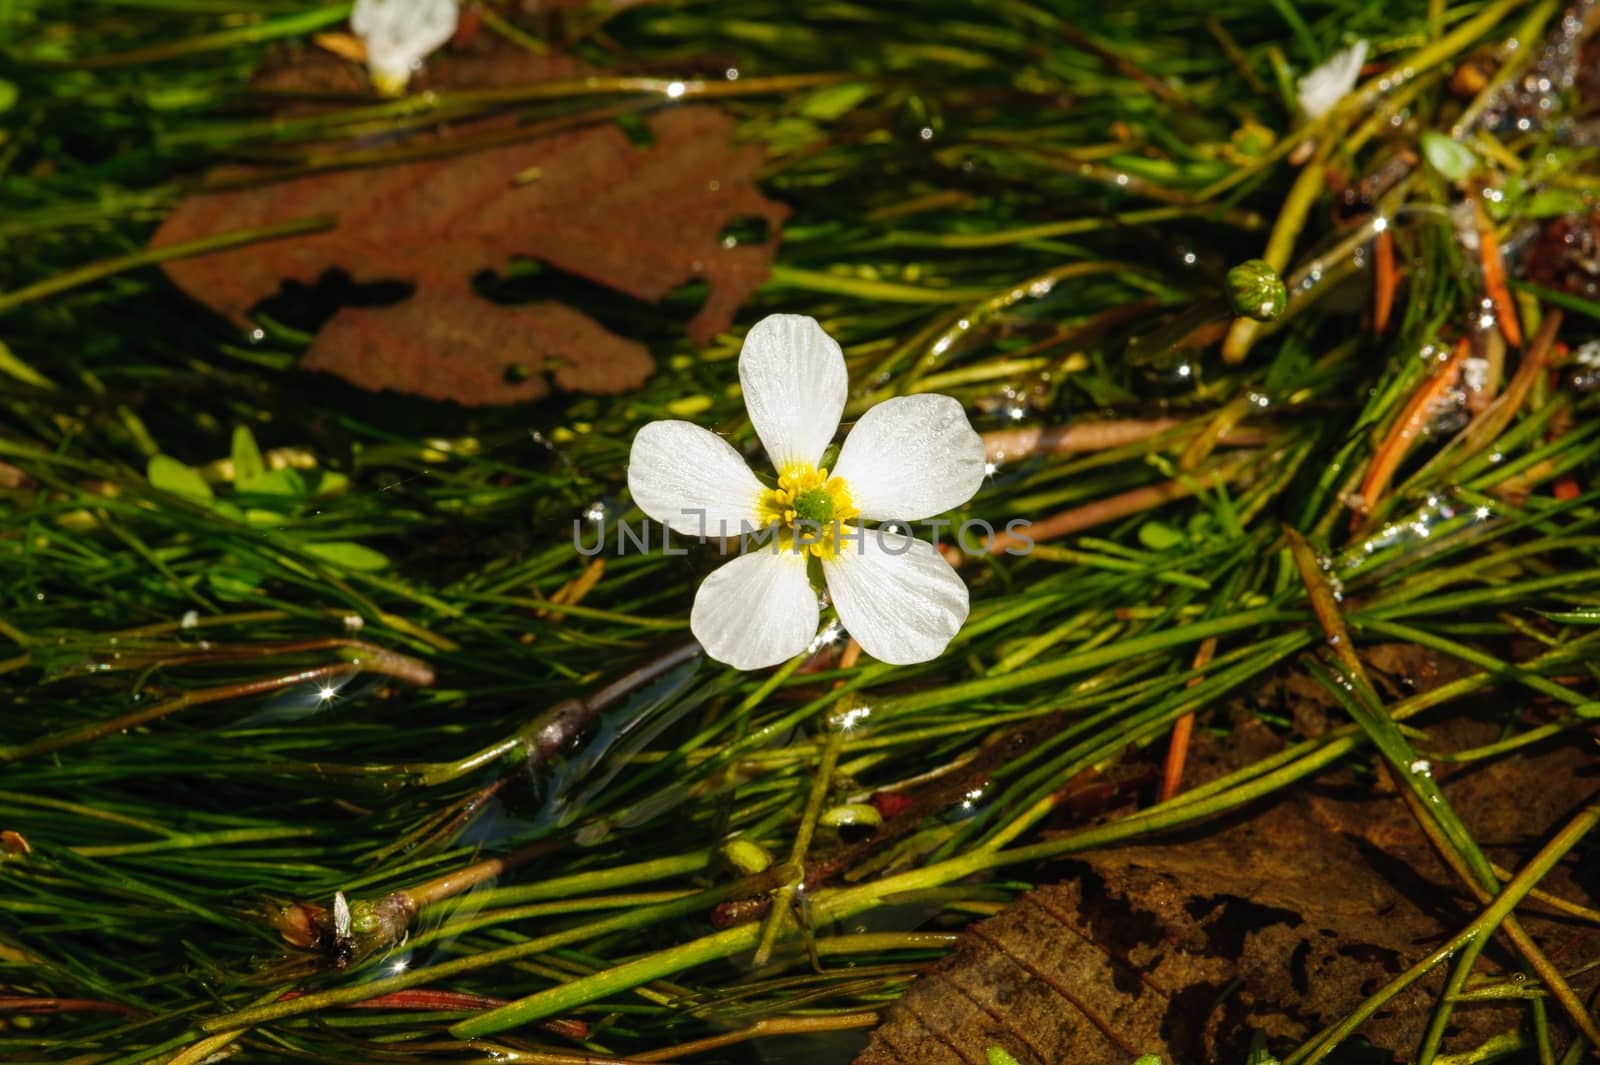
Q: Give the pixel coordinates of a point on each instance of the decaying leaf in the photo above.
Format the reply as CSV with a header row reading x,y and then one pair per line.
x,y
1277,920
1038,982
640,220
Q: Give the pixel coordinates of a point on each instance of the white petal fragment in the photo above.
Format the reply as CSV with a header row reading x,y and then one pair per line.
x,y
910,458
795,384
898,596
692,480
399,35
757,610
1331,81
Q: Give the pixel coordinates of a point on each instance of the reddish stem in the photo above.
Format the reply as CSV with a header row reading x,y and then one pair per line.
x,y
1385,280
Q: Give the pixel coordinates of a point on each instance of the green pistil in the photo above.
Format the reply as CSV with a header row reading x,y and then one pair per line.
x,y
815,505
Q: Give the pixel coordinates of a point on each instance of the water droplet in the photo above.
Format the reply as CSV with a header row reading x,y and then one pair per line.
x,y
850,718
831,633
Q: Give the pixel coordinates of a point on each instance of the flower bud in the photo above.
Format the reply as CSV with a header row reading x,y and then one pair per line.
x,y
1256,291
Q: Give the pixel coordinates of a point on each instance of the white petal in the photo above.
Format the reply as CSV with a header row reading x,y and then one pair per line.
x,y
1325,86
678,467
757,610
399,34
794,387
910,458
897,596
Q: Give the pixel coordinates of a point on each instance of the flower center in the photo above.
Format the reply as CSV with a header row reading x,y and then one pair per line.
x,y
806,507
814,504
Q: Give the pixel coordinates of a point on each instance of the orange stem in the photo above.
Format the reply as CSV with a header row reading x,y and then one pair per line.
x,y
1183,729
1407,428
1385,281
1114,507
427,998
852,652
1494,276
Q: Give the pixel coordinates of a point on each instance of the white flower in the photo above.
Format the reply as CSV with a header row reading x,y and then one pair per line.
x,y
1329,83
399,34
907,459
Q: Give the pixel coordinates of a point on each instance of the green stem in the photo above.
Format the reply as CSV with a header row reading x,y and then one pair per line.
x,y
867,288
778,913
232,238
1069,664
274,29
639,918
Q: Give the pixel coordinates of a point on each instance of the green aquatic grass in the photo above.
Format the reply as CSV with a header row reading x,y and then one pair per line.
x,y
213,715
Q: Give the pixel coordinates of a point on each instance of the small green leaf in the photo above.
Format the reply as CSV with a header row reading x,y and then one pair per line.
x,y
10,364
8,95
1448,156
788,134
178,97
998,1055
257,516
284,482
835,101
349,555
851,814
247,460
170,475
747,856
1259,1054
234,584
1552,203
1159,536
1588,615
326,483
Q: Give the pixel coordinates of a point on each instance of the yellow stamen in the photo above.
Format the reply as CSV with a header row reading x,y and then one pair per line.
x,y
809,503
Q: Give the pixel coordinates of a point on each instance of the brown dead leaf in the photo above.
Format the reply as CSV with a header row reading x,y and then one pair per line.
x,y
639,220
1054,980
1278,920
